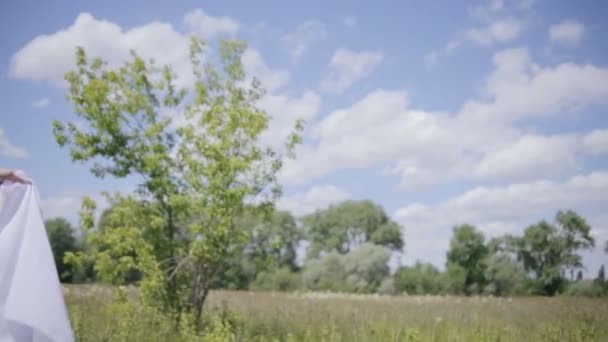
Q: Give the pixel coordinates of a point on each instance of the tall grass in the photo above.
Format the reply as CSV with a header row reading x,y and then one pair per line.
x,y
251,316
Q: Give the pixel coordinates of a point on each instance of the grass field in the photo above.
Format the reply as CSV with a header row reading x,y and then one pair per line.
x,y
256,316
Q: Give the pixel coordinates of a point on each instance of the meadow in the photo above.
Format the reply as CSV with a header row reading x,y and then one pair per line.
x,y
272,316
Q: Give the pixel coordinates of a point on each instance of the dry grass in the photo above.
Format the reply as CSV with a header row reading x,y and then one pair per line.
x,y
334,317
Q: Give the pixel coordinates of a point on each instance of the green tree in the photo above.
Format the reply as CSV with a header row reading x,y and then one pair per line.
x,y
601,274
62,240
346,226
600,280
421,278
282,279
361,270
504,275
326,273
195,175
547,250
468,250
454,279
273,239
272,244
366,267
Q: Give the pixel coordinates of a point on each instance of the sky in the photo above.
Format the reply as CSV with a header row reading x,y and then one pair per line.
x,y
489,112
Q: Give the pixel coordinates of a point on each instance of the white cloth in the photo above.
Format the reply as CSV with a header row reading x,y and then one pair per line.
x,y
32,308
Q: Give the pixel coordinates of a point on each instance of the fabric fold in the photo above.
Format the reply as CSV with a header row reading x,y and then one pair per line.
x,y
32,306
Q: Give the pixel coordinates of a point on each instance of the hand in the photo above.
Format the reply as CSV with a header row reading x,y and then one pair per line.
x,y
6,174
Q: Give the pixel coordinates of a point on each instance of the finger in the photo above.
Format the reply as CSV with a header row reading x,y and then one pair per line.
x,y
19,179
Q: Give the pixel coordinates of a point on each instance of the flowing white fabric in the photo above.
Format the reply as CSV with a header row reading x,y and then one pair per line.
x,y
32,308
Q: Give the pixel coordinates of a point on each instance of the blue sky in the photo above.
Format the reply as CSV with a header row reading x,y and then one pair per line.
x,y
445,112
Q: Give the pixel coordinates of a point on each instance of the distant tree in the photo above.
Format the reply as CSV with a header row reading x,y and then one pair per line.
x,y
346,226
468,250
504,276
454,279
601,276
546,250
366,267
326,273
273,238
361,270
579,275
576,235
282,279
62,240
387,287
421,278
272,242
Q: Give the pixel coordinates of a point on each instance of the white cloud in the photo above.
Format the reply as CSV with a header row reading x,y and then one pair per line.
x,y
424,148
525,4
348,67
522,160
492,29
197,21
299,41
596,142
48,57
7,149
492,25
284,112
68,206
255,66
451,46
41,103
350,22
498,31
489,9
567,32
500,210
317,197
431,58
518,88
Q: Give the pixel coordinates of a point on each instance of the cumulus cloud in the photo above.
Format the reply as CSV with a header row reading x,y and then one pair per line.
x,y
254,65
41,103
491,25
523,159
424,148
284,111
8,149
567,32
304,36
317,197
197,21
596,142
502,209
497,31
519,88
48,57
348,67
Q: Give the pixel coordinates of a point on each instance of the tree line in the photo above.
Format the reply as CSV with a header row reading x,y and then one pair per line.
x,y
348,247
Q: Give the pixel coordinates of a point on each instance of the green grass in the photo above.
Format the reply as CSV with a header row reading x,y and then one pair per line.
x,y
251,316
